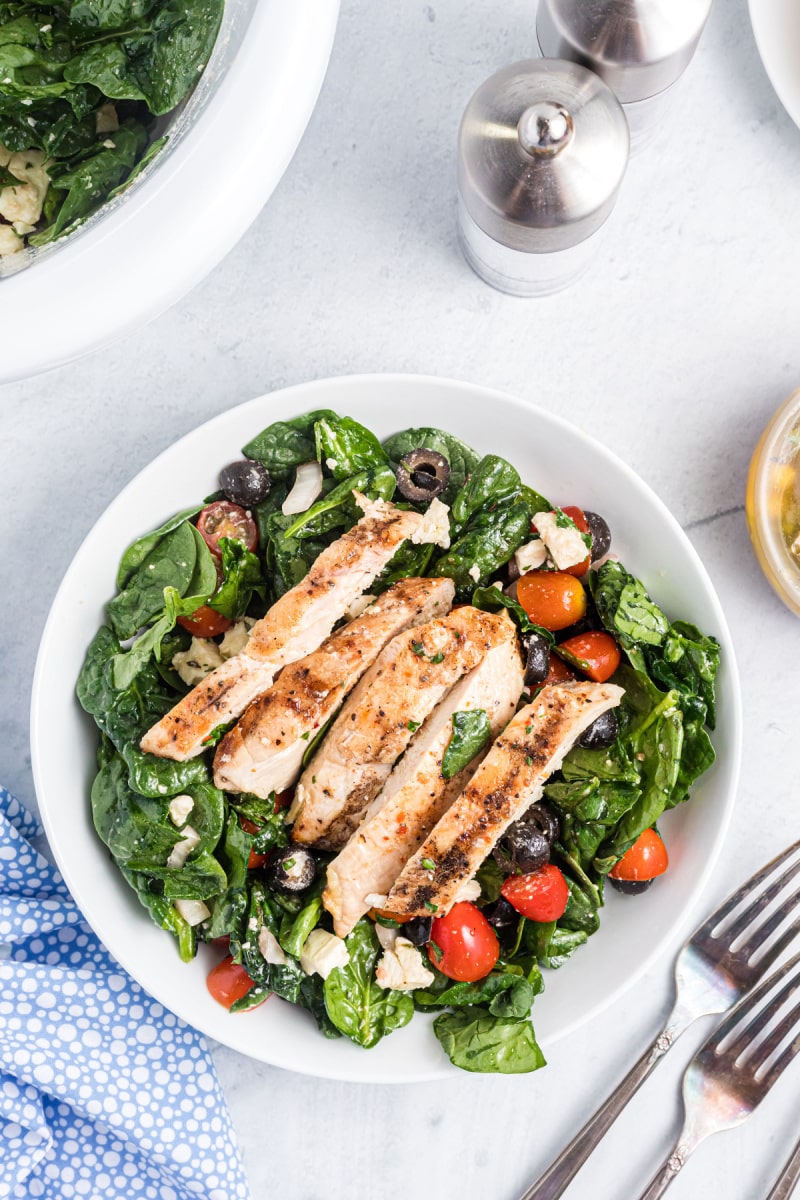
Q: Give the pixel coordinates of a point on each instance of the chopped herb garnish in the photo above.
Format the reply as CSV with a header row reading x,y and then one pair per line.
x,y
289,863
431,907
418,648
528,728
305,736
429,864
528,760
436,658
413,726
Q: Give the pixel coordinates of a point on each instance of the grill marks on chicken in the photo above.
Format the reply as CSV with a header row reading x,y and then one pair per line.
x,y
394,698
416,794
509,779
264,751
295,626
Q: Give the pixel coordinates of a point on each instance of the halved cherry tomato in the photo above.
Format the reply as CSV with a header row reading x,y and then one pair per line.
x,y
463,945
255,860
228,982
559,671
541,896
205,622
577,515
646,858
284,799
553,599
596,654
225,520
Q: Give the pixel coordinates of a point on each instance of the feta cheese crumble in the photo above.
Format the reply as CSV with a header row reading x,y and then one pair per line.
x,y
322,952
563,539
435,527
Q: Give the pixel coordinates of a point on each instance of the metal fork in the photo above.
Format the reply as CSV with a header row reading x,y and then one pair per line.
x,y
735,1068
717,965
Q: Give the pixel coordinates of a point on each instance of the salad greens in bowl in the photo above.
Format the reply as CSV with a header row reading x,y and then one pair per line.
x,y
86,90
495,811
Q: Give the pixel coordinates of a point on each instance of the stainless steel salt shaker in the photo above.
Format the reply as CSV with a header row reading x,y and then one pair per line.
x,y
542,151
639,47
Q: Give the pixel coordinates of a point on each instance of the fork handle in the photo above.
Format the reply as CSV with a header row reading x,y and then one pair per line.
x,y
667,1172
784,1184
563,1170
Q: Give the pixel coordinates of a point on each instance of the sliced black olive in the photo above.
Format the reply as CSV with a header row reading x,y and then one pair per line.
x,y
537,664
418,930
527,843
602,732
630,887
291,870
501,916
601,534
422,474
246,482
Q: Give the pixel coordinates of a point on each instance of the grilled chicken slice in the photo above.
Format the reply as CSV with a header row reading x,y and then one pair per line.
x,y
416,794
295,625
264,752
509,779
403,686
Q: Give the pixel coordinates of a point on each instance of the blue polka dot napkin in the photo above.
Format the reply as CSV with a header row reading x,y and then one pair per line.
x,y
103,1093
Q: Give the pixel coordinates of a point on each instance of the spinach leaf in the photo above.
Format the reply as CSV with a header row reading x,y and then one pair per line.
x,y
476,1041
408,562
284,445
288,559
356,1005
347,448
503,995
462,459
158,777
132,826
170,563
312,997
490,877
625,607
471,732
139,551
658,746
199,878
339,504
241,578
490,599
124,715
688,661
164,913
294,932
491,481
486,544
126,665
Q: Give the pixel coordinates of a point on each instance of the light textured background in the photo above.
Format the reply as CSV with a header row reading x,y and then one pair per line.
x,y
674,350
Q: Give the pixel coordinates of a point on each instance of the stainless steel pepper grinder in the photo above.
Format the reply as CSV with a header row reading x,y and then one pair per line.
x,y
639,47
542,151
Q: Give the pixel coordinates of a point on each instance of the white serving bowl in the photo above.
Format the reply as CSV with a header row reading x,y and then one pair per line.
x,y
229,146
554,457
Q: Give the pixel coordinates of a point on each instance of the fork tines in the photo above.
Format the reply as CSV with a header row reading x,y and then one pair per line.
x,y
758,1026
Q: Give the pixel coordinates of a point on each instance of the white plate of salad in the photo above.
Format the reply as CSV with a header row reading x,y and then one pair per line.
x,y
577,791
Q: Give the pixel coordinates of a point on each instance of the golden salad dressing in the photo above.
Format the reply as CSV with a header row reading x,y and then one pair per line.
x,y
772,502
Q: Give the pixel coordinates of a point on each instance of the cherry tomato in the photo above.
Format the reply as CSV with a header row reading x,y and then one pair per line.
x,y
560,672
577,515
553,599
463,944
255,860
540,896
205,622
228,982
596,654
284,799
225,520
646,858
387,916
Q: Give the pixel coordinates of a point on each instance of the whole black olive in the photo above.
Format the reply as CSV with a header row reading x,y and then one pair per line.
x,y
501,916
422,474
527,843
587,624
630,887
417,930
602,732
246,482
537,664
291,870
601,534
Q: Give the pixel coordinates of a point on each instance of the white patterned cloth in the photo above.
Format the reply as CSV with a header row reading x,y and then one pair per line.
x,y
104,1095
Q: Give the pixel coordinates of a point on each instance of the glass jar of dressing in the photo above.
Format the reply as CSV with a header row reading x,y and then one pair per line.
x,y
772,502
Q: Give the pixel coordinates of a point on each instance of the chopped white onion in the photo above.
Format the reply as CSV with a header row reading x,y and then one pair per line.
x,y
194,912
307,486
